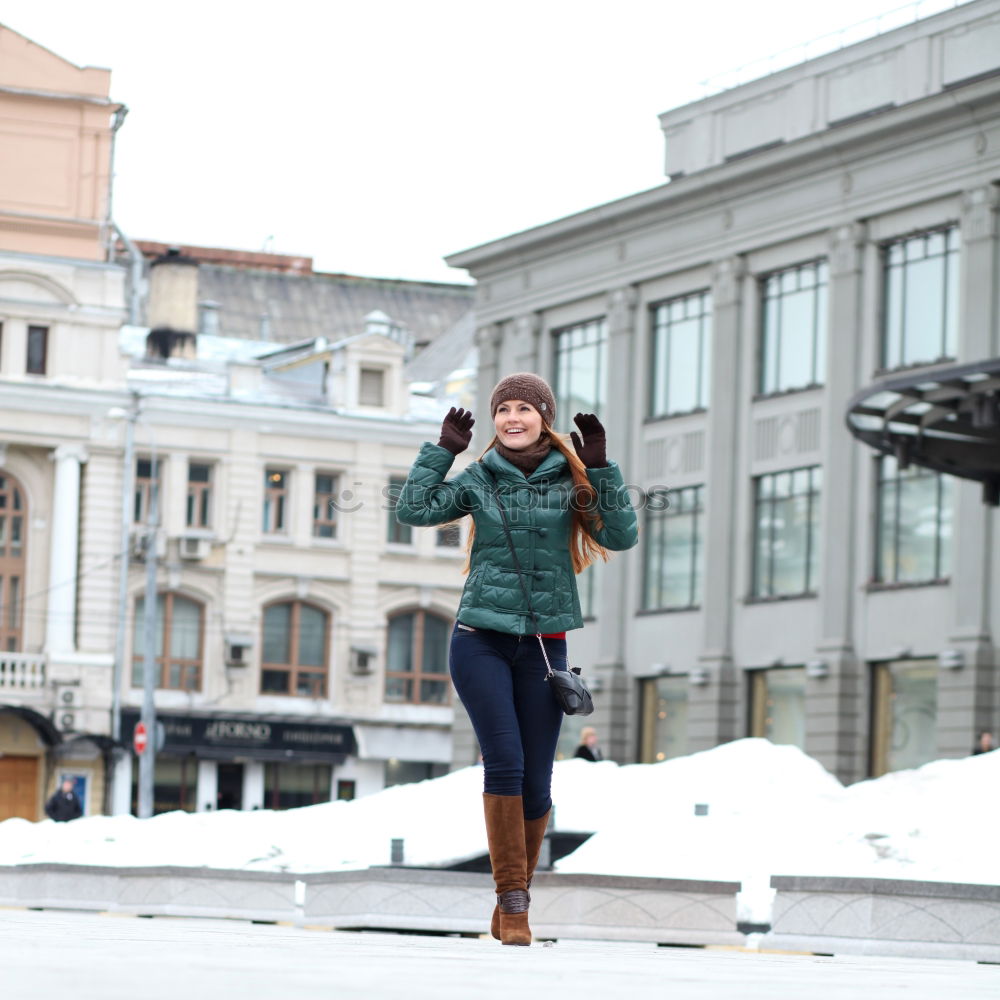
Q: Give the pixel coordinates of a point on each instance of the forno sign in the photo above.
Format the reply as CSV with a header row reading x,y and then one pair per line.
x,y
226,729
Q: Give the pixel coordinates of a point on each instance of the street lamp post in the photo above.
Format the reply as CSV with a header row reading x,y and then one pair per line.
x,y
147,759
128,490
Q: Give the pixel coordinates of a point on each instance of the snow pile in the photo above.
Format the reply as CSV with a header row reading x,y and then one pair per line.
x,y
771,810
762,810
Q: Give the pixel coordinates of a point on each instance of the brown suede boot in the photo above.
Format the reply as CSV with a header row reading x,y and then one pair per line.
x,y
534,835
505,835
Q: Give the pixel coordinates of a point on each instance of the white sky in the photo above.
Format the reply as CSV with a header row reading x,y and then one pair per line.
x,y
772,810
379,136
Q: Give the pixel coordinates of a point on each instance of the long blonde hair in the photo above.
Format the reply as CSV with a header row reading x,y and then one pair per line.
x,y
583,549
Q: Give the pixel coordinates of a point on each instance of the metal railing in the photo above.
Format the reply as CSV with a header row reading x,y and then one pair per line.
x,y
22,671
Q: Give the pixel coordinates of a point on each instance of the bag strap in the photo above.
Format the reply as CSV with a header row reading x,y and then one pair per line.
x,y
517,566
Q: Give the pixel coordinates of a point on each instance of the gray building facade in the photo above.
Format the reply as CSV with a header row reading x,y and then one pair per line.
x,y
820,228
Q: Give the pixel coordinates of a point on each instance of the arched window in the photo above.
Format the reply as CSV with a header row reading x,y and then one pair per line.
x,y
294,660
180,624
13,521
417,659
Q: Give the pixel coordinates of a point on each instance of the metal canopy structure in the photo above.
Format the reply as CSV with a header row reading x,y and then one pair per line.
x,y
945,419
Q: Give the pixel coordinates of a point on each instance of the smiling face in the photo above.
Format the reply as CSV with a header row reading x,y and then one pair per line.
x,y
518,424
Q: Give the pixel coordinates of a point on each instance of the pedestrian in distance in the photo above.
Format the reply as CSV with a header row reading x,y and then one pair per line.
x,y
63,805
565,505
588,748
985,743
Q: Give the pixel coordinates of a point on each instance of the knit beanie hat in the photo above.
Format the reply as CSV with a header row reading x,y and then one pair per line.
x,y
531,388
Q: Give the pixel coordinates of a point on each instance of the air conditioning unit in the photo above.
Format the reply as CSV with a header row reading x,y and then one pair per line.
x,y
238,647
193,547
138,542
67,703
362,660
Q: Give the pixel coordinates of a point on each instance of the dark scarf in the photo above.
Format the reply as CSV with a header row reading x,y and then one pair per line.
x,y
527,459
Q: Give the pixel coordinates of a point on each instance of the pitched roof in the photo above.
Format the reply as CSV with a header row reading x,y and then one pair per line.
x,y
263,296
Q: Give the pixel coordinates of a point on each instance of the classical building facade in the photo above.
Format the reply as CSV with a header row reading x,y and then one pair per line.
x,y
61,305
821,228
299,648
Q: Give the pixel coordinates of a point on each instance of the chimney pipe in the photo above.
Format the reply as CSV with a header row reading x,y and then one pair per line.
x,y
173,306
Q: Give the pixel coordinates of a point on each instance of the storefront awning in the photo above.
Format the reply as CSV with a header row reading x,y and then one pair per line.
x,y
405,743
224,736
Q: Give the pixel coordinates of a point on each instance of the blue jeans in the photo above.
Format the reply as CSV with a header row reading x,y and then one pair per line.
x,y
501,681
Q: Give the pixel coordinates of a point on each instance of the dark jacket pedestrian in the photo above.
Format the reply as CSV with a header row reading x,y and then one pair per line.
x,y
985,743
64,805
566,506
588,748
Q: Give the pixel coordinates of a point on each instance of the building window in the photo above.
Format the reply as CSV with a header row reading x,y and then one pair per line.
x,y
325,506
199,495
682,341
396,533
405,772
920,313
664,728
786,520
147,481
581,375
778,705
175,785
275,502
588,586
913,540
38,349
296,640
449,536
290,786
793,340
904,719
417,659
673,547
178,643
13,561
371,387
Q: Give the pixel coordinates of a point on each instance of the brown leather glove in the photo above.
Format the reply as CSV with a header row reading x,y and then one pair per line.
x,y
592,450
456,431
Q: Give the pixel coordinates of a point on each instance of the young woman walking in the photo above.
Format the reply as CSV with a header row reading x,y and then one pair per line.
x,y
565,507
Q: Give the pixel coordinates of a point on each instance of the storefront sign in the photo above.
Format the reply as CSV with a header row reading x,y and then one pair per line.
x,y
268,739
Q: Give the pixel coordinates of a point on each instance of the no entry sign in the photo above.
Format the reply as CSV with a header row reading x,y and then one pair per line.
x,y
139,738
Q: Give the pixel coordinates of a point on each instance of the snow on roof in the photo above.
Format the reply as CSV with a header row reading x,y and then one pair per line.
x,y
207,375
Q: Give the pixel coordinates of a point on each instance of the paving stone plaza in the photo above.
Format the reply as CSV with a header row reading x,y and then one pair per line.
x,y
93,956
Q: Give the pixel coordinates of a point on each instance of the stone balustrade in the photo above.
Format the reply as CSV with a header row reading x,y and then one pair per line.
x,y
22,671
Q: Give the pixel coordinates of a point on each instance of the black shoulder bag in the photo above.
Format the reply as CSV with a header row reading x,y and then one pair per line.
x,y
567,685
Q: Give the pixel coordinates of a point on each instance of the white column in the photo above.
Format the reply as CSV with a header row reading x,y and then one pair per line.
x,y
60,630
488,343
121,795
835,702
208,785
253,785
713,708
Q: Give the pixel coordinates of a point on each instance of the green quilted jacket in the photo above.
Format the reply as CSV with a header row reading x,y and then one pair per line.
x,y
539,513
